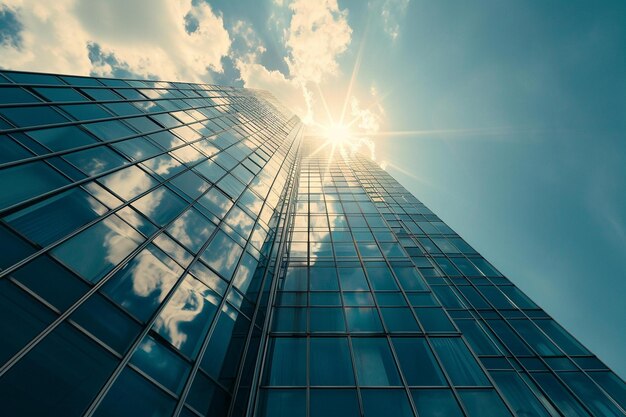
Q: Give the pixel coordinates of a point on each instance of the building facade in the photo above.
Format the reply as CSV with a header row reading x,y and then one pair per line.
x,y
176,249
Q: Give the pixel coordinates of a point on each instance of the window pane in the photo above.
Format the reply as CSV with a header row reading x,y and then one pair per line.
x,y
143,283
374,364
385,402
59,377
483,403
334,403
282,403
215,257
459,362
161,363
186,318
559,395
62,138
326,320
287,319
191,229
590,394
352,279
204,395
55,217
107,243
612,384
519,395
133,396
21,318
417,362
330,362
22,182
435,403
363,319
399,320
287,362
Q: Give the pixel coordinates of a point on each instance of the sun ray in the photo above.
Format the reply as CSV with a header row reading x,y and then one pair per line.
x,y
355,71
470,131
325,104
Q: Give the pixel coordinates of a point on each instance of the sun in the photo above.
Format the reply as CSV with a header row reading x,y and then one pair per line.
x,y
337,132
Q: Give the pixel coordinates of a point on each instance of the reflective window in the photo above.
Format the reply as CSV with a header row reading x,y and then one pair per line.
x,y
374,364
132,395
417,362
435,403
559,395
330,362
282,403
108,242
385,402
519,395
287,362
458,362
334,403
187,316
161,363
483,403
363,319
27,181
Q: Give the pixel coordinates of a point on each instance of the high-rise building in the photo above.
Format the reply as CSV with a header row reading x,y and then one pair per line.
x,y
176,249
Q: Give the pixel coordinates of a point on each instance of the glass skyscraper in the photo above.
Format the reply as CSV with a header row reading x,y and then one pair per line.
x,y
176,249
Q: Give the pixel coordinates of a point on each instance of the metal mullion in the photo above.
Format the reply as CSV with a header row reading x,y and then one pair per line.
x,y
148,325
265,333
17,206
196,366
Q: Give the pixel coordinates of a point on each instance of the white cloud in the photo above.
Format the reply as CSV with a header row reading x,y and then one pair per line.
x,y
391,12
147,36
318,33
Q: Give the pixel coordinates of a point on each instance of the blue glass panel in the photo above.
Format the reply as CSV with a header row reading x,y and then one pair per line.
x,y
325,299
374,363
108,323
352,279
14,248
133,396
381,278
107,242
21,318
330,362
399,320
62,138
111,129
533,336
326,320
143,283
214,254
282,403
483,403
51,281
363,319
358,299
22,182
287,362
385,402
559,395
186,318
161,363
409,278
128,182
95,160
223,353
240,222
590,394
612,384
434,320
58,377
417,362
287,319
477,338
164,166
161,205
435,403
55,217
191,229
323,279
84,112
295,279
458,362
334,403
519,396
563,339
32,116
206,397
12,95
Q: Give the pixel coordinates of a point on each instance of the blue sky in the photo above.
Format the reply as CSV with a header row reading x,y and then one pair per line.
x,y
514,112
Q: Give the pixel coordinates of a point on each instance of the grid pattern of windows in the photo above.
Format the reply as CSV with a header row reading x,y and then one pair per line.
x,y
382,309
176,249
137,220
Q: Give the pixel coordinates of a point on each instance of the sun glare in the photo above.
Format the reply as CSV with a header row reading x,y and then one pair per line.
x,y
338,133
